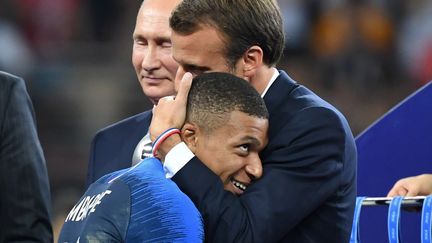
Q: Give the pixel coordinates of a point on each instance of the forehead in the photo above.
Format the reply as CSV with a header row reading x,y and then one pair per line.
x,y
242,127
153,16
204,47
165,6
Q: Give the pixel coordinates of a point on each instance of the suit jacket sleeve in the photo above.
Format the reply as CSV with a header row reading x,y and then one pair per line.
x,y
302,168
25,200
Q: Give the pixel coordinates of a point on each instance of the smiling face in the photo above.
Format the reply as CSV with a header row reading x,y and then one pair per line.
x,y
151,55
231,150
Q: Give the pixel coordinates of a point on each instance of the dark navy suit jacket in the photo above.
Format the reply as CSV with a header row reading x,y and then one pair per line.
x,y
308,189
25,196
112,148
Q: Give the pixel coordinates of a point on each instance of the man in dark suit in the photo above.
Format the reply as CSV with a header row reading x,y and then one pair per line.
x,y
25,199
308,188
125,143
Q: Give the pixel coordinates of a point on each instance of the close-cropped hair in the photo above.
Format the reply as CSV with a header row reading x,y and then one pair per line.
x,y
242,23
213,96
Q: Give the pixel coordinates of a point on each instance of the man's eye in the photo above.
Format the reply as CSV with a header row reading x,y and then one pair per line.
x,y
166,45
244,148
140,42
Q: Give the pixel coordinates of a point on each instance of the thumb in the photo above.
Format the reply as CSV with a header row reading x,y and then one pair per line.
x,y
183,91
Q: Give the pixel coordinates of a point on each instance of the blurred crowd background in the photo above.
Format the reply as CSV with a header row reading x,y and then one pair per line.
x,y
75,55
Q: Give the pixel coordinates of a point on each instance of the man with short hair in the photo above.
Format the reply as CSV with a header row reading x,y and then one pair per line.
x,y
308,189
125,143
226,127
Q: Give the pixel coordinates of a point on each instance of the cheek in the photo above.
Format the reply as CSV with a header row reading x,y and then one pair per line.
x,y
137,58
233,164
227,164
211,156
170,64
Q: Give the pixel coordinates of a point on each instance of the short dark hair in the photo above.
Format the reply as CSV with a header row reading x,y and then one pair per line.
x,y
243,23
213,96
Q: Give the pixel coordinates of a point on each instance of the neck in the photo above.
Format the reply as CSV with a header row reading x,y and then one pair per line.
x,y
261,78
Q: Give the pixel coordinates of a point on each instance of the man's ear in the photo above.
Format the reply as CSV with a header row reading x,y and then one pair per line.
x,y
252,60
189,134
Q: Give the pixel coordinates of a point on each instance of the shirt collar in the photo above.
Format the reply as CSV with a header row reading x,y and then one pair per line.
x,y
273,78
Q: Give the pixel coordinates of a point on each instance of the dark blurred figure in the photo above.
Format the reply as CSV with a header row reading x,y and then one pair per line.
x,y
415,42
104,15
25,199
353,42
48,25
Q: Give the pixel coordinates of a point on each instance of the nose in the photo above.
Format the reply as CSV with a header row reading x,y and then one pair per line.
x,y
254,167
151,60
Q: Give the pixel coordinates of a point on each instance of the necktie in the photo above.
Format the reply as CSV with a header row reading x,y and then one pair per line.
x,y
142,150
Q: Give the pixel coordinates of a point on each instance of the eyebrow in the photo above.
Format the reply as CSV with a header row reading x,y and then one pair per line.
x,y
190,66
159,39
163,39
252,140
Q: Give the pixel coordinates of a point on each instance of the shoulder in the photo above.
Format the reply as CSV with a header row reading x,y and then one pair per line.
x,y
297,114
135,119
148,177
15,104
126,124
292,102
178,213
300,97
148,171
10,84
102,214
9,80
286,95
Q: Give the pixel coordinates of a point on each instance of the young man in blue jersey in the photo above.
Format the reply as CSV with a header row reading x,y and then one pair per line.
x,y
225,126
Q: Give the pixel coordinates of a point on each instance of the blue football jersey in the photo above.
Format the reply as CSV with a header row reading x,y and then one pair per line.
x,y
134,205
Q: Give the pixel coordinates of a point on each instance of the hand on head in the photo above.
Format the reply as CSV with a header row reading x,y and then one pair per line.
x,y
170,112
420,185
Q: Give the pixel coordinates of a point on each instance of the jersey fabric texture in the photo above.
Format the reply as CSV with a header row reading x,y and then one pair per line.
x,y
134,205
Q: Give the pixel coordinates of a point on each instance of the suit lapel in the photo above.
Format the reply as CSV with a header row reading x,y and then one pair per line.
x,y
278,91
275,99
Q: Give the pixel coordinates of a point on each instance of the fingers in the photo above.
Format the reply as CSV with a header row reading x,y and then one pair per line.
x,y
412,192
391,193
184,88
168,98
398,189
394,192
398,192
170,112
407,187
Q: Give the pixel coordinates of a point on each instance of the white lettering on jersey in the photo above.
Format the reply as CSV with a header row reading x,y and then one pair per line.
x,y
86,206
